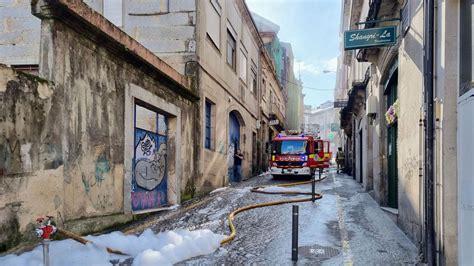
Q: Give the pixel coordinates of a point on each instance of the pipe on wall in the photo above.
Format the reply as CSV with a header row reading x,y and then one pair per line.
x,y
428,59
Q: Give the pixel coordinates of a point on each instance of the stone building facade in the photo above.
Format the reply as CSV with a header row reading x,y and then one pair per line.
x,y
175,86
321,121
77,139
294,88
391,158
215,43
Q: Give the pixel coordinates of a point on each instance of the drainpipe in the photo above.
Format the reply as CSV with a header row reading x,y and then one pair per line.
x,y
428,55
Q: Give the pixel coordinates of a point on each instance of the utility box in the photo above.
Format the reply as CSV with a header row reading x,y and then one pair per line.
x,y
371,105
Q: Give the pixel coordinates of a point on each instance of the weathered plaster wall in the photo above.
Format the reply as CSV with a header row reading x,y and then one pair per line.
x,y
62,146
410,94
93,81
447,81
31,158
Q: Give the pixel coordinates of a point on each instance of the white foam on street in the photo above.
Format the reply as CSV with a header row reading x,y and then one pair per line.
x,y
174,207
219,190
282,189
242,190
165,248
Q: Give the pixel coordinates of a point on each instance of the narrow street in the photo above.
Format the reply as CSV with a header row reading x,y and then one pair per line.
x,y
345,227
131,130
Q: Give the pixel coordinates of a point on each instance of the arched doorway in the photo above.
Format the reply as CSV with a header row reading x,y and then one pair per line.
x,y
233,143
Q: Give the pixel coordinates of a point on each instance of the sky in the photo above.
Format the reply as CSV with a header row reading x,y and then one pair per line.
x,y
312,28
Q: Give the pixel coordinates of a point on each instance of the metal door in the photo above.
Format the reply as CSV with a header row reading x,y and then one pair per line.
x,y
392,167
150,177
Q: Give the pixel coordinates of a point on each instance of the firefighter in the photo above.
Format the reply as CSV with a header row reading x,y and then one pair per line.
x,y
238,157
340,158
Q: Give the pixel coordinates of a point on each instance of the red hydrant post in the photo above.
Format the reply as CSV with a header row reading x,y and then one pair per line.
x,y
45,229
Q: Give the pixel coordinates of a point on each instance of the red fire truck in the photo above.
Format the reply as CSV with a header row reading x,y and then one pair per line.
x,y
298,155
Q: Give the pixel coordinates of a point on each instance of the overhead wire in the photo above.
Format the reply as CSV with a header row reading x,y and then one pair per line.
x,y
305,87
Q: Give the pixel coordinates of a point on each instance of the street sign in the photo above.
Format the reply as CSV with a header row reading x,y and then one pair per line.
x,y
334,127
331,136
367,38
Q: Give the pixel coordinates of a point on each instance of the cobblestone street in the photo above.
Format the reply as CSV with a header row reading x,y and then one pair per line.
x,y
345,226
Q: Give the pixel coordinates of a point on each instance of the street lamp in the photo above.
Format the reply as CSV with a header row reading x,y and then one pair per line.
x,y
328,71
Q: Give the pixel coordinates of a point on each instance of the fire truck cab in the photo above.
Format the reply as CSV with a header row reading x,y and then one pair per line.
x,y
298,155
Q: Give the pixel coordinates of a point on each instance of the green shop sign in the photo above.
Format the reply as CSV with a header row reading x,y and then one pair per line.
x,y
367,38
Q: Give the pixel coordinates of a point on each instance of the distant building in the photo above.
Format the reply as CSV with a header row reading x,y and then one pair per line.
x,y
322,122
273,106
294,114
282,55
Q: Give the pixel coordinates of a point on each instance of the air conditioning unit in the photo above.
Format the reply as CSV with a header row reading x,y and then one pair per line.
x,y
371,106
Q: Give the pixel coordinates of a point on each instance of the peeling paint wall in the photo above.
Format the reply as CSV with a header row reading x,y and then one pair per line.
x,y
93,82
31,158
62,146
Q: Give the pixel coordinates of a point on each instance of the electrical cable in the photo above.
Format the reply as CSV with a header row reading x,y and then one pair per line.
x,y
305,87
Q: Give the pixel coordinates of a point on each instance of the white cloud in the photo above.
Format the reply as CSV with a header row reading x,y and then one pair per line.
x,y
318,67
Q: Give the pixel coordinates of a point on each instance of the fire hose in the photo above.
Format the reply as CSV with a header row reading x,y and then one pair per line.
x,y
232,215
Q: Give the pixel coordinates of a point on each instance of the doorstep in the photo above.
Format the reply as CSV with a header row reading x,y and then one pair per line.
x,y
392,213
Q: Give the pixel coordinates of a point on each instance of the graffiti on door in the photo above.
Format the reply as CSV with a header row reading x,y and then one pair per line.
x,y
149,182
